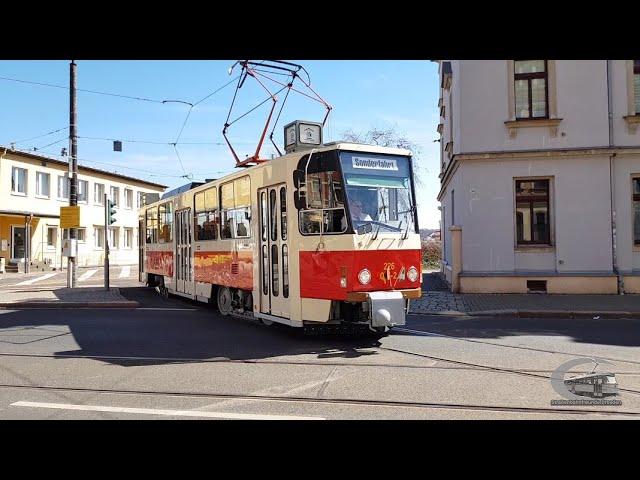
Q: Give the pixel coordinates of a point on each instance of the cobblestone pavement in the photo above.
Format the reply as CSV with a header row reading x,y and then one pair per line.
x,y
436,299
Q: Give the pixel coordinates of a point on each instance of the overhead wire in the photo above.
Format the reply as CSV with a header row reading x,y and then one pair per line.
x,y
39,136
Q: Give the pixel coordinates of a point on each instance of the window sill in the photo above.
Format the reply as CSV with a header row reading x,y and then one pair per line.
x,y
18,194
535,249
43,197
551,123
632,123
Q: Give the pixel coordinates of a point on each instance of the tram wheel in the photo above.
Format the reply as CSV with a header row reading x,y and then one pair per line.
x,y
224,300
266,322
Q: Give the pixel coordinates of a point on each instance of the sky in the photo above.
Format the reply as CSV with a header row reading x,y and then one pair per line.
x,y
364,95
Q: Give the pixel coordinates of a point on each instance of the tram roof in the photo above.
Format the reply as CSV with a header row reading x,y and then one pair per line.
x,y
347,146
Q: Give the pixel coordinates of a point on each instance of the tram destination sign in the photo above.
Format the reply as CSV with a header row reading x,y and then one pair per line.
x,y
374,163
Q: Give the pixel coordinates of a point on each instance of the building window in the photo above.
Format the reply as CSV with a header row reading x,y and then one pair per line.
x,y
114,237
98,193
63,186
206,211
532,212
166,222
235,199
636,84
140,200
52,236
42,184
128,198
636,211
80,234
114,195
531,89
453,207
98,237
128,238
83,189
19,181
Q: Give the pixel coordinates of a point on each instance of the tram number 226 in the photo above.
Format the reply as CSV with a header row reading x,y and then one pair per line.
x,y
388,272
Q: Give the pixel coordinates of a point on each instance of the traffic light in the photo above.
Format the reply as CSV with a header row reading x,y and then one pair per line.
x,y
111,212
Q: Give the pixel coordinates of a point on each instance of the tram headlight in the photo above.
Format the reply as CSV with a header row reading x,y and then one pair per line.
x,y
412,274
364,276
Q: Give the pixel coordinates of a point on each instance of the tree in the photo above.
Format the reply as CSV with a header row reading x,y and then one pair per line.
x,y
386,138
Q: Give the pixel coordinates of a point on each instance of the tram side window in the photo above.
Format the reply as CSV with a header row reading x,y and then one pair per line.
x,y
206,212
165,217
235,200
325,211
152,225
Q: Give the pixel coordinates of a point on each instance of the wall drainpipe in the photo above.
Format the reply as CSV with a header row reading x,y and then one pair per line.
x,y
614,239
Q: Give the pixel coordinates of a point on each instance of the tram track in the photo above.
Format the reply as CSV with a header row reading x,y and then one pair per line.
x,y
328,401
283,362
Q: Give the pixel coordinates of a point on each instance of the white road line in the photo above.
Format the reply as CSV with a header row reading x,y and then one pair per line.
x,y
37,279
155,411
421,332
125,272
87,275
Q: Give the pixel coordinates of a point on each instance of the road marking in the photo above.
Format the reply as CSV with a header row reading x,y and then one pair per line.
x,y
37,279
421,332
164,412
87,275
125,272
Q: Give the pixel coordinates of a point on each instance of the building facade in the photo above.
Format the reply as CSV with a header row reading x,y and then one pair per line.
x,y
540,175
32,190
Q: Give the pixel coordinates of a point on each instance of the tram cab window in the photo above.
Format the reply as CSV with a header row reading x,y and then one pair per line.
x,y
206,213
325,209
152,225
235,200
165,217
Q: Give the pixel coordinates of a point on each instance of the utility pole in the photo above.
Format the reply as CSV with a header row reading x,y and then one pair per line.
x,y
73,168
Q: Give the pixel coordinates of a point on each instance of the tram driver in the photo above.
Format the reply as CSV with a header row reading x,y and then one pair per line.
x,y
357,212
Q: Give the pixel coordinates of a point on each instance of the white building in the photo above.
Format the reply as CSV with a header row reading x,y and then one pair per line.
x,y
32,190
540,175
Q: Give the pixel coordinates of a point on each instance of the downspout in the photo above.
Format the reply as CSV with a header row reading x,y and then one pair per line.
x,y
614,239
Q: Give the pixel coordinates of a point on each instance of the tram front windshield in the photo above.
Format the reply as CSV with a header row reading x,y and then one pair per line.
x,y
378,190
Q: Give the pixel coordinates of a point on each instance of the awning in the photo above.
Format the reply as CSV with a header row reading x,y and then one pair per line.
x,y
26,214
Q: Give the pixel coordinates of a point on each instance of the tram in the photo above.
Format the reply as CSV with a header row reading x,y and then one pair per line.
x,y
323,237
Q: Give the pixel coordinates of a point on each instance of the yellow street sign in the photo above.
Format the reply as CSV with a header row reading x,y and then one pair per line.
x,y
70,217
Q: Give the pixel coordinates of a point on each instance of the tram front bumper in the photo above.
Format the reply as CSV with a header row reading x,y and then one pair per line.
x,y
386,309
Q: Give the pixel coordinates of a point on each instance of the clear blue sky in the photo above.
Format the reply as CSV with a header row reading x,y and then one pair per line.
x,y
364,94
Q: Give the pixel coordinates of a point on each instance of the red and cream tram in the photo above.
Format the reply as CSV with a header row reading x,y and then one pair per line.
x,y
324,237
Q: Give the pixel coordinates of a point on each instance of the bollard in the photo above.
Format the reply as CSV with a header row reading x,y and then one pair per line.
x,y
2,260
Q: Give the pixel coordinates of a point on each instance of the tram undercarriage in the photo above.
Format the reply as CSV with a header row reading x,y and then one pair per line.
x,y
375,316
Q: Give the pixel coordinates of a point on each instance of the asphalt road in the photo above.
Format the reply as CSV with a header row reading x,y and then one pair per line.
x,y
180,360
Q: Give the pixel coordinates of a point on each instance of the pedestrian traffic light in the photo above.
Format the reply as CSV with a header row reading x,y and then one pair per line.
x,y
111,212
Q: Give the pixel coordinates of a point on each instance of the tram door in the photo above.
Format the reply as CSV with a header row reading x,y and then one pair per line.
x,y
274,251
184,272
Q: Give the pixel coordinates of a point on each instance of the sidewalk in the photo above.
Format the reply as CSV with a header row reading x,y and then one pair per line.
x,y
436,300
56,297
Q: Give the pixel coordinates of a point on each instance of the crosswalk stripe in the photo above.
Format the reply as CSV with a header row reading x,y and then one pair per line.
x,y
88,274
37,279
126,270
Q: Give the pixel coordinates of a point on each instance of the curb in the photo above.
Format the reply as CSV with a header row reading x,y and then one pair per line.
x,y
535,314
18,305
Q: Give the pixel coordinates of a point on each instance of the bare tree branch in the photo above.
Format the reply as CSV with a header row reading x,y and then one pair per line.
x,y
386,138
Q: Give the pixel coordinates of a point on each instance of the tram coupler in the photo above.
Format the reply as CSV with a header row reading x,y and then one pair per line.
x,y
386,309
